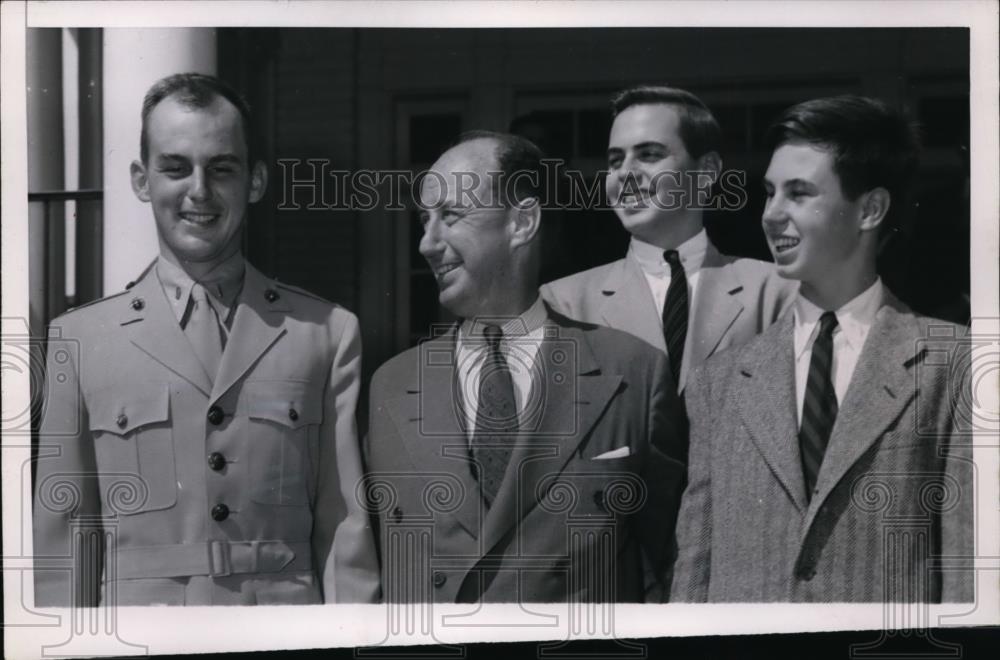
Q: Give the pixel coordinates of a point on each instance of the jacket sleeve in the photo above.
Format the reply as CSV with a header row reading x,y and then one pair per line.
x,y
68,547
343,542
694,521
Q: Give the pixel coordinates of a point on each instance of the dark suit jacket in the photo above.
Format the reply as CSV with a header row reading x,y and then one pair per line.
x,y
125,442
564,525
735,300
894,490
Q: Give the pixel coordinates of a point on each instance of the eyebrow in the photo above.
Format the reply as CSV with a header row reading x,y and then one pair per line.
x,y
221,158
641,145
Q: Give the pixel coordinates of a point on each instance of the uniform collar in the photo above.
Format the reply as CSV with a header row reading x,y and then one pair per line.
x,y
853,319
223,284
650,257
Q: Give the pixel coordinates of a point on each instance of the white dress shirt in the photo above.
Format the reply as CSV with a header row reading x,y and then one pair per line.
x,y
854,320
657,270
521,338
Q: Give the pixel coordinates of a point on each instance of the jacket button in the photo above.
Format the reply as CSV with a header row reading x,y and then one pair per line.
x,y
439,579
216,461
215,415
220,512
293,414
271,295
121,420
138,304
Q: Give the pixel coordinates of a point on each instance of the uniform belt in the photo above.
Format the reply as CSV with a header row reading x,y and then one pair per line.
x,y
214,558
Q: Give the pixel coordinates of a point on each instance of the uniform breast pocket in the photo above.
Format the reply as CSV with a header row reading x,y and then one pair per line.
x,y
285,417
134,447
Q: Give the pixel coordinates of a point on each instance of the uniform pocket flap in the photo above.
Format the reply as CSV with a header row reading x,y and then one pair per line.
x,y
124,410
289,403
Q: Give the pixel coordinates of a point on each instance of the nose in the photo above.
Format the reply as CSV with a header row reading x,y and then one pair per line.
x,y
774,215
430,242
199,190
627,168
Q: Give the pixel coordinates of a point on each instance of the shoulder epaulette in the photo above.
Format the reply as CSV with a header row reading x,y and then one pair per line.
x,y
145,271
302,292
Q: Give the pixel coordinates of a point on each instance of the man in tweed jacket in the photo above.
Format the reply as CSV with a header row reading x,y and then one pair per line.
x,y
826,459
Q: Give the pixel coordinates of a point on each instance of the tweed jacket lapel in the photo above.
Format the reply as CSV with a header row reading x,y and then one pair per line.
x,y
258,323
628,303
717,306
429,420
574,393
881,387
765,390
151,325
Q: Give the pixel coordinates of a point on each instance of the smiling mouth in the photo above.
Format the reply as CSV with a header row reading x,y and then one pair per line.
x,y
630,200
784,243
200,219
443,269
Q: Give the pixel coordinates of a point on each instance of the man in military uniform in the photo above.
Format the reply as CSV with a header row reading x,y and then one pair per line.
x,y
206,429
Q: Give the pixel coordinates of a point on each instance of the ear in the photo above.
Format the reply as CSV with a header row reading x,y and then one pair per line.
x,y
258,181
526,219
140,182
874,208
711,163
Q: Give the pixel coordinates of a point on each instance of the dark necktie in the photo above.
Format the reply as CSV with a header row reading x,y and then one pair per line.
x,y
675,313
496,417
819,409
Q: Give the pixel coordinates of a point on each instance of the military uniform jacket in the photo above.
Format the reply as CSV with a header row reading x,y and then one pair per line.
x,y
241,492
566,525
736,299
894,494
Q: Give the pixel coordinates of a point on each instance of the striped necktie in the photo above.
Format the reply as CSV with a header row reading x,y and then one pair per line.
x,y
675,313
819,410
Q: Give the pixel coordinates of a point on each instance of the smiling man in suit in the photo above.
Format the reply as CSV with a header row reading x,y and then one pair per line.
x,y
517,455
208,426
673,289
827,460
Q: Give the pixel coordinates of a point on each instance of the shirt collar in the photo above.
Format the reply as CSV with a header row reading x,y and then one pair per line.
x,y
854,318
526,323
650,257
223,284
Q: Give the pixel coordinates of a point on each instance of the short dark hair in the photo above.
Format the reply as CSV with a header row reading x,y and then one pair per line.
x,y
519,161
195,90
698,127
872,144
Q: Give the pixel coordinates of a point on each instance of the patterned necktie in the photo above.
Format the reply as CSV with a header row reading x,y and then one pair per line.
x,y
819,409
675,313
202,330
496,417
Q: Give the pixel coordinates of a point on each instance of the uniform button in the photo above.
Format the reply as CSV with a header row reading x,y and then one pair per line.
x,y
271,295
215,415
220,512
216,461
138,304
439,579
293,414
121,420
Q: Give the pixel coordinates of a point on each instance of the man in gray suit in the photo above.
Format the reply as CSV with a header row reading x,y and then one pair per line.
x,y
673,289
517,455
827,458
201,447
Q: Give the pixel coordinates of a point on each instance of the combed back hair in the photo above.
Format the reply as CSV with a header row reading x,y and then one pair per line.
x,y
698,127
196,91
872,145
519,161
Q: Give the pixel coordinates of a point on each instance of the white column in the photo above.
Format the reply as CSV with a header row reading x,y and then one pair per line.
x,y
133,60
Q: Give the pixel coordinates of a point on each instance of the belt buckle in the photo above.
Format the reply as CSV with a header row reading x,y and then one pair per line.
x,y
220,562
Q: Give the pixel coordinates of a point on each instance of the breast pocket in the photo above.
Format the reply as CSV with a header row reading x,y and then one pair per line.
x,y
134,447
285,417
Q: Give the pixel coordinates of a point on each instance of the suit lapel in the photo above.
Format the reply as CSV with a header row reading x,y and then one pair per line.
x,y
573,394
880,389
717,306
257,325
152,326
429,421
766,395
628,303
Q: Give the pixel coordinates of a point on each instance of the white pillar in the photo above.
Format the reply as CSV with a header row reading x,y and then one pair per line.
x,y
133,60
